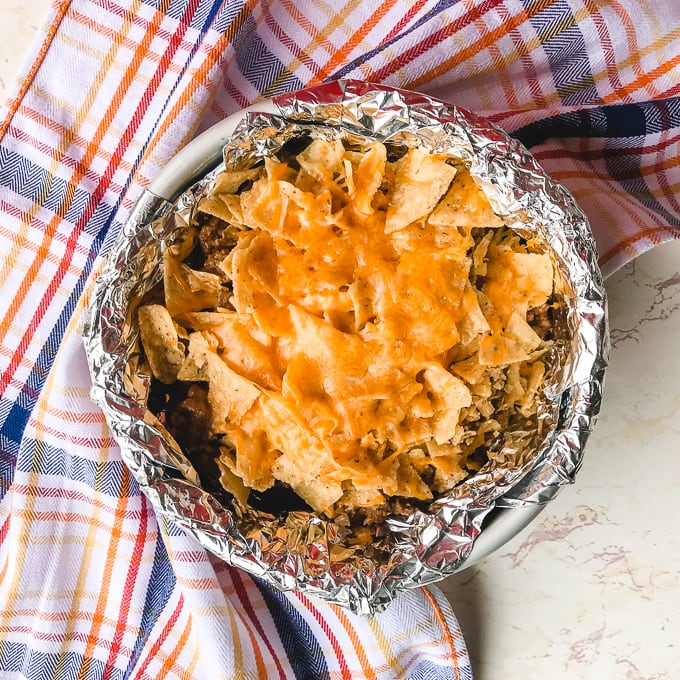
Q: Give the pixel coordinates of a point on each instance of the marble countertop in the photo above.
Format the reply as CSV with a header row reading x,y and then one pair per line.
x,y
591,589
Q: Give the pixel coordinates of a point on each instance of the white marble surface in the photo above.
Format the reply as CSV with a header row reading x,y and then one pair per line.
x,y
591,590
20,21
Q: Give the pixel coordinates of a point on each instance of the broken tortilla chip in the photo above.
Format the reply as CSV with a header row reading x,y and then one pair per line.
x,y
160,342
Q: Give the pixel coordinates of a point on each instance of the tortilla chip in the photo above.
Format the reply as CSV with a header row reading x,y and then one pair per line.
x,y
231,482
322,159
369,176
215,206
520,281
449,396
229,181
201,321
188,290
514,344
409,481
465,205
229,394
160,342
421,180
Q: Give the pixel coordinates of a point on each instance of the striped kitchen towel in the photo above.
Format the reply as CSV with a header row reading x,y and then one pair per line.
x,y
92,585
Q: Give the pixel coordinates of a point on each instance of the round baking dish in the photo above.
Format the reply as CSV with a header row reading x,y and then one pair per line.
x,y
301,550
202,155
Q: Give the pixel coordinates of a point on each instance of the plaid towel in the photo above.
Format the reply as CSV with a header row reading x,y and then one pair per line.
x,y
92,585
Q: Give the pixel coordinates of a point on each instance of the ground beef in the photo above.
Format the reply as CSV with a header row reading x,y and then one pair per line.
x,y
216,239
546,317
185,411
187,418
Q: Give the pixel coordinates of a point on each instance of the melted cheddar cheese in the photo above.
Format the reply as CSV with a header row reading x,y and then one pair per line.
x,y
356,341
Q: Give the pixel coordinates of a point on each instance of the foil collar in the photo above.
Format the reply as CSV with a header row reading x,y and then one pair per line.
x,y
299,550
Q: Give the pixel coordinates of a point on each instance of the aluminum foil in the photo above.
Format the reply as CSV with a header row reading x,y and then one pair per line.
x,y
298,550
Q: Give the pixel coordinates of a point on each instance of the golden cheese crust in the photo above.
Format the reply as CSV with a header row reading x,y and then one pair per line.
x,y
374,333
